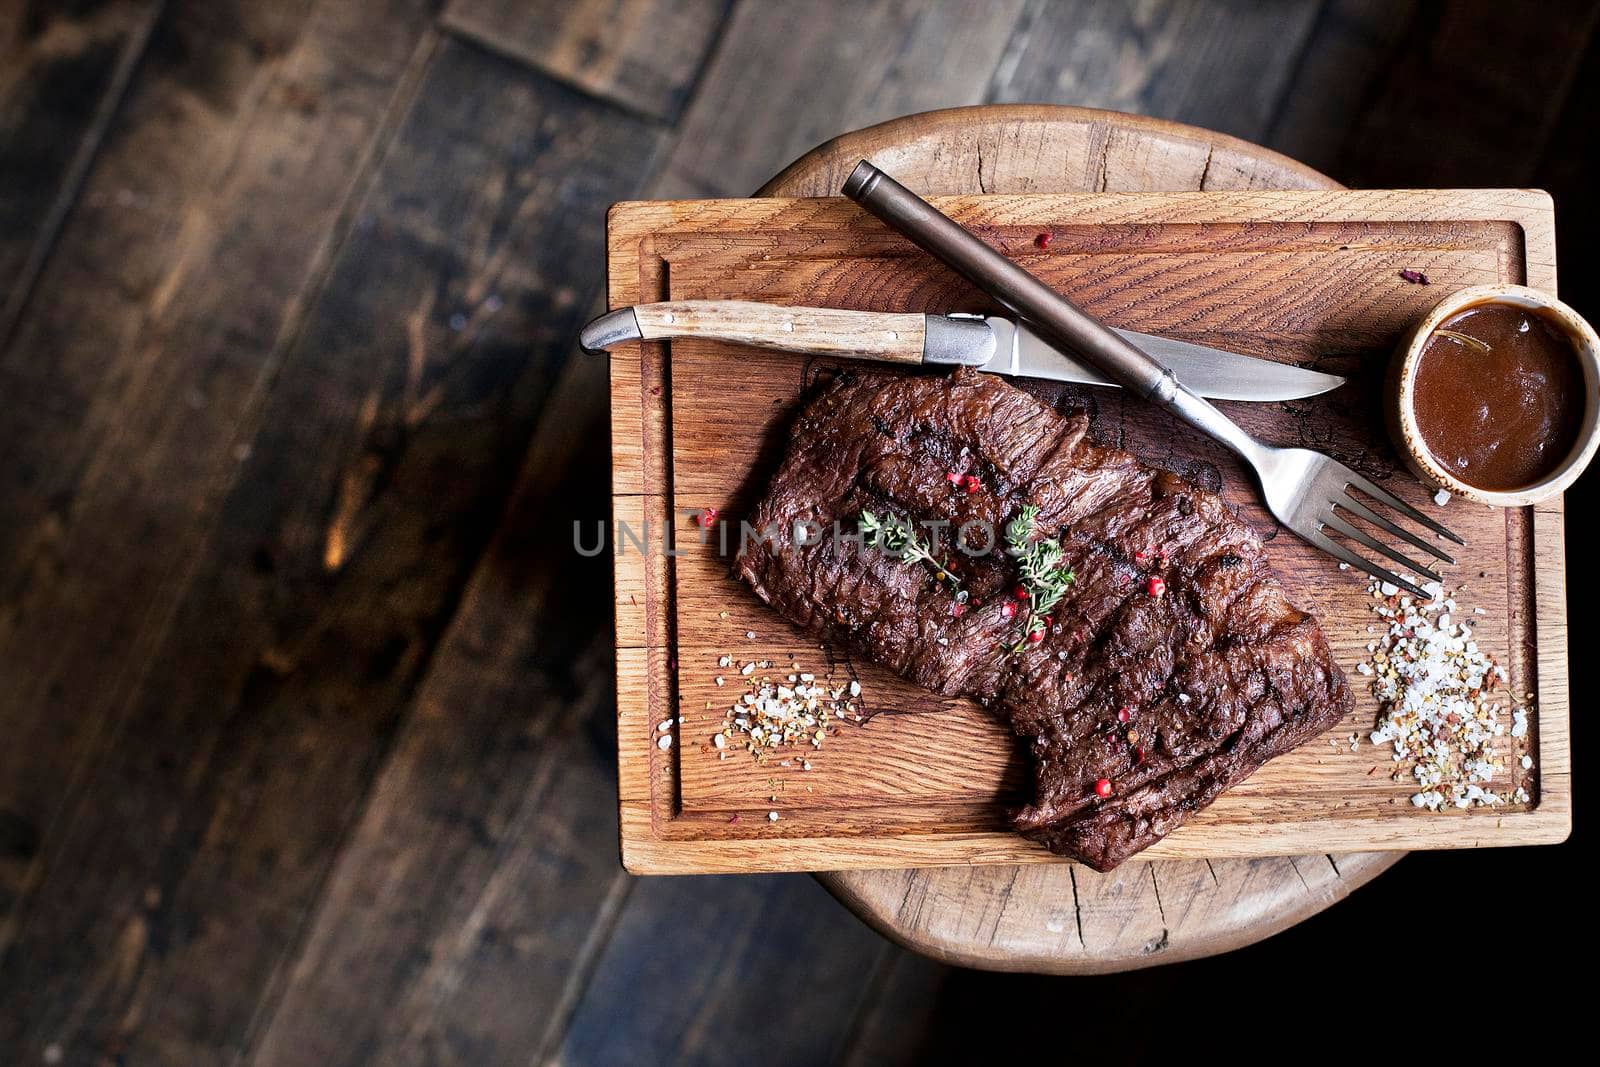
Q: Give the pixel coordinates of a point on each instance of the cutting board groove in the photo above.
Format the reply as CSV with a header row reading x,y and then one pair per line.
x,y
1310,278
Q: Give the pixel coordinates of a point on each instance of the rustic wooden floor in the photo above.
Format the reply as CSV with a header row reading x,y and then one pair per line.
x,y
305,752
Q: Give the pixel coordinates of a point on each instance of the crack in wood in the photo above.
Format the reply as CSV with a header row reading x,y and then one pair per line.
x,y
1077,908
1005,899
1296,868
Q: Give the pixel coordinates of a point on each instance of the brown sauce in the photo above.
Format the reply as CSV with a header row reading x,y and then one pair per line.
x,y
1500,403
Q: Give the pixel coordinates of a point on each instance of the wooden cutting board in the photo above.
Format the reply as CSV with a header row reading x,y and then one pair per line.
x,y
1311,278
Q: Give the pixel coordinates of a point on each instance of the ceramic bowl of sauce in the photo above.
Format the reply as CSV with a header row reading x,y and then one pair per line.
x,y
1495,395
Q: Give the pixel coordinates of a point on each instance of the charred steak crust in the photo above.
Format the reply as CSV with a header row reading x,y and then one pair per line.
x,y
1219,674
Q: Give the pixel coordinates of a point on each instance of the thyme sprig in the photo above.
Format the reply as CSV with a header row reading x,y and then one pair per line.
x,y
1044,575
896,537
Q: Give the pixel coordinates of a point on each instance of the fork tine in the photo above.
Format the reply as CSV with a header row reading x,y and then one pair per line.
x,y
1351,504
1385,497
1338,551
1379,547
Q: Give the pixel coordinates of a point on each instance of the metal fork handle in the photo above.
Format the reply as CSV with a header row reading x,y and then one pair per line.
x,y
1041,306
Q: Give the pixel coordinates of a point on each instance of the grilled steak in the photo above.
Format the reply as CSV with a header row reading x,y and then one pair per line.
x,y
1169,693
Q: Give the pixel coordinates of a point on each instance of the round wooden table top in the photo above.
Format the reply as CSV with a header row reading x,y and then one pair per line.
x,y
1064,918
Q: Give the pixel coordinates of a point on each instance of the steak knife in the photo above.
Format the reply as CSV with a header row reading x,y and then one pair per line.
x,y
990,343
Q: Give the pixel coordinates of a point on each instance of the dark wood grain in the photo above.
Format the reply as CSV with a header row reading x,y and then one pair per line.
x,y
724,971
864,62
62,73
897,1012
500,780
1469,96
643,54
254,806
1350,49
141,357
1219,65
394,430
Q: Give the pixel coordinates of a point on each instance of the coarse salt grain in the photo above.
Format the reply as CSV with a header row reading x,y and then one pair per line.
x,y
664,742
791,710
1440,705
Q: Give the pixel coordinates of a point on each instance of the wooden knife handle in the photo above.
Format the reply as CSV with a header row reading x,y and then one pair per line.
x,y
890,338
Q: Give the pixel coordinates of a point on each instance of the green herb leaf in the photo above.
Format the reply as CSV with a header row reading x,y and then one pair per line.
x,y
896,537
1044,574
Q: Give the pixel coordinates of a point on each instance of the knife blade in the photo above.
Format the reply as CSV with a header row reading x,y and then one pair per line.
x,y
1211,372
994,343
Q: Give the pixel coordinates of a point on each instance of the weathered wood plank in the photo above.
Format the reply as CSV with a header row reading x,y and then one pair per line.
x,y
1345,58
391,438
62,73
1218,65
452,921
1470,96
897,1013
866,62
643,54
724,971
202,224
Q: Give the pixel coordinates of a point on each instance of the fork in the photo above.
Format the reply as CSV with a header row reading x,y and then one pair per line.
x,y
1306,491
